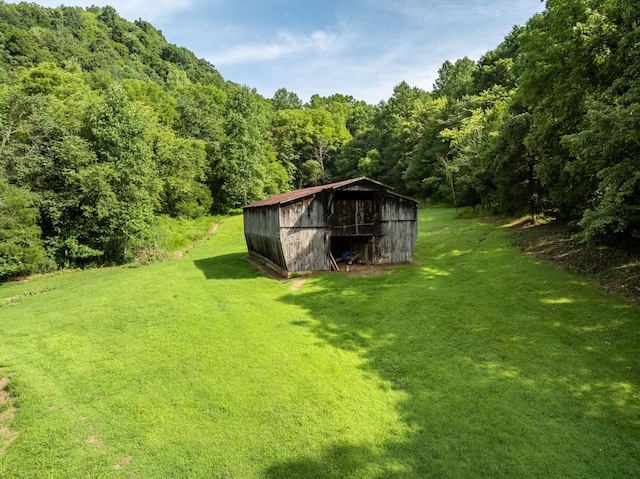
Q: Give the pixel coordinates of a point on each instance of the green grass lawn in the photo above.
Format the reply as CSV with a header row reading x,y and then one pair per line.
x,y
475,362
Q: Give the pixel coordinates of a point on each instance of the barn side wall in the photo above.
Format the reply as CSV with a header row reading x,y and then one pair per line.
x,y
303,235
262,233
398,230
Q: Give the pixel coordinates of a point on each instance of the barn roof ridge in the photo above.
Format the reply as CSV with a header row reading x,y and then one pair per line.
x,y
291,196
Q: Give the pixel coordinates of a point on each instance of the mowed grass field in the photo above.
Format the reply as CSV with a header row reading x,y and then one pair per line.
x,y
474,362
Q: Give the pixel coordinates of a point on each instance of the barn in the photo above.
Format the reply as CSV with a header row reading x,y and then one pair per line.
x,y
318,228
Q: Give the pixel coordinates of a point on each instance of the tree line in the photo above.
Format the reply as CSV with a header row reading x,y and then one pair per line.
x,y
105,125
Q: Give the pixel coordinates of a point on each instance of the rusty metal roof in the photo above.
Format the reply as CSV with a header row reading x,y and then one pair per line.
x,y
291,196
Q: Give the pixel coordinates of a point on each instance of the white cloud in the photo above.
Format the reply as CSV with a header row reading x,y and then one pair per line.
x,y
150,10
286,44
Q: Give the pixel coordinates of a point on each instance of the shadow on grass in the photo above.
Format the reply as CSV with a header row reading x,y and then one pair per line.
x,y
338,462
498,380
228,266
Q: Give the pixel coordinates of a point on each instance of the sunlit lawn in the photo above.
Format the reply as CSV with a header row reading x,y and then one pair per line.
x,y
475,362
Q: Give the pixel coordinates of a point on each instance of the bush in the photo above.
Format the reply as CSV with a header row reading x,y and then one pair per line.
x,y
21,250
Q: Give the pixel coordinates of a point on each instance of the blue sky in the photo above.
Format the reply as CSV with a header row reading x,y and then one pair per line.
x,y
361,48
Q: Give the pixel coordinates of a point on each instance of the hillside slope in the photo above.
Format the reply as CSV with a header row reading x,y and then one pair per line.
x,y
104,44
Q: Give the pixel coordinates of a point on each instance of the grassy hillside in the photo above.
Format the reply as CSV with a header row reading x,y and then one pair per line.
x,y
476,362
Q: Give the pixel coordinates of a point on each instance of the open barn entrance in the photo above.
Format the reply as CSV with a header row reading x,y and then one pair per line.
x,y
358,249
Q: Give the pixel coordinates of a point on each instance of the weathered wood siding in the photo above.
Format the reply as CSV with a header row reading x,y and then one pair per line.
x,y
361,187
302,233
353,217
262,233
398,230
305,213
306,249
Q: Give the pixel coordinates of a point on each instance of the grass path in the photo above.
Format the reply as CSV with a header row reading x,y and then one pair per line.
x,y
478,362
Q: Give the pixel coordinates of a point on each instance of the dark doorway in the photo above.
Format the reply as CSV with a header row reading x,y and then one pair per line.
x,y
360,247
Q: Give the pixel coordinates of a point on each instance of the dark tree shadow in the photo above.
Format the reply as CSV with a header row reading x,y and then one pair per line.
x,y
339,462
228,266
491,389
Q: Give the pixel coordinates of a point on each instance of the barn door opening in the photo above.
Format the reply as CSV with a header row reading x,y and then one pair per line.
x,y
360,247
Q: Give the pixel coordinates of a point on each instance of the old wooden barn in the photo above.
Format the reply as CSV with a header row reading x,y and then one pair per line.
x,y
354,220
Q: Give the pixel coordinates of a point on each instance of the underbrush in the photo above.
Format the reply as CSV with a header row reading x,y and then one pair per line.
x,y
615,270
172,237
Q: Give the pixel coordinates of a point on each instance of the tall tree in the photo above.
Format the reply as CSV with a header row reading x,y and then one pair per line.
x,y
557,75
517,185
285,100
579,78
306,142
201,115
21,250
455,80
473,145
126,174
151,94
241,171
425,174
182,166
399,133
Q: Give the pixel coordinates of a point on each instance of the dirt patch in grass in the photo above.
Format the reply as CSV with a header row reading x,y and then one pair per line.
x,y
123,462
182,252
364,270
213,230
93,440
265,268
297,283
617,271
354,270
7,413
18,297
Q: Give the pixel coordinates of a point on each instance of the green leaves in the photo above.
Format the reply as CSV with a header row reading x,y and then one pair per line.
x,y
579,78
241,173
118,131
455,79
181,164
615,215
307,140
21,250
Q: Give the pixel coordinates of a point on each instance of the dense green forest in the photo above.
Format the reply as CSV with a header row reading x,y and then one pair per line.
x,y
104,125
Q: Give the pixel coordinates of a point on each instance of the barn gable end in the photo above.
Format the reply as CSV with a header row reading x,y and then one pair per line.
x,y
262,234
300,230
